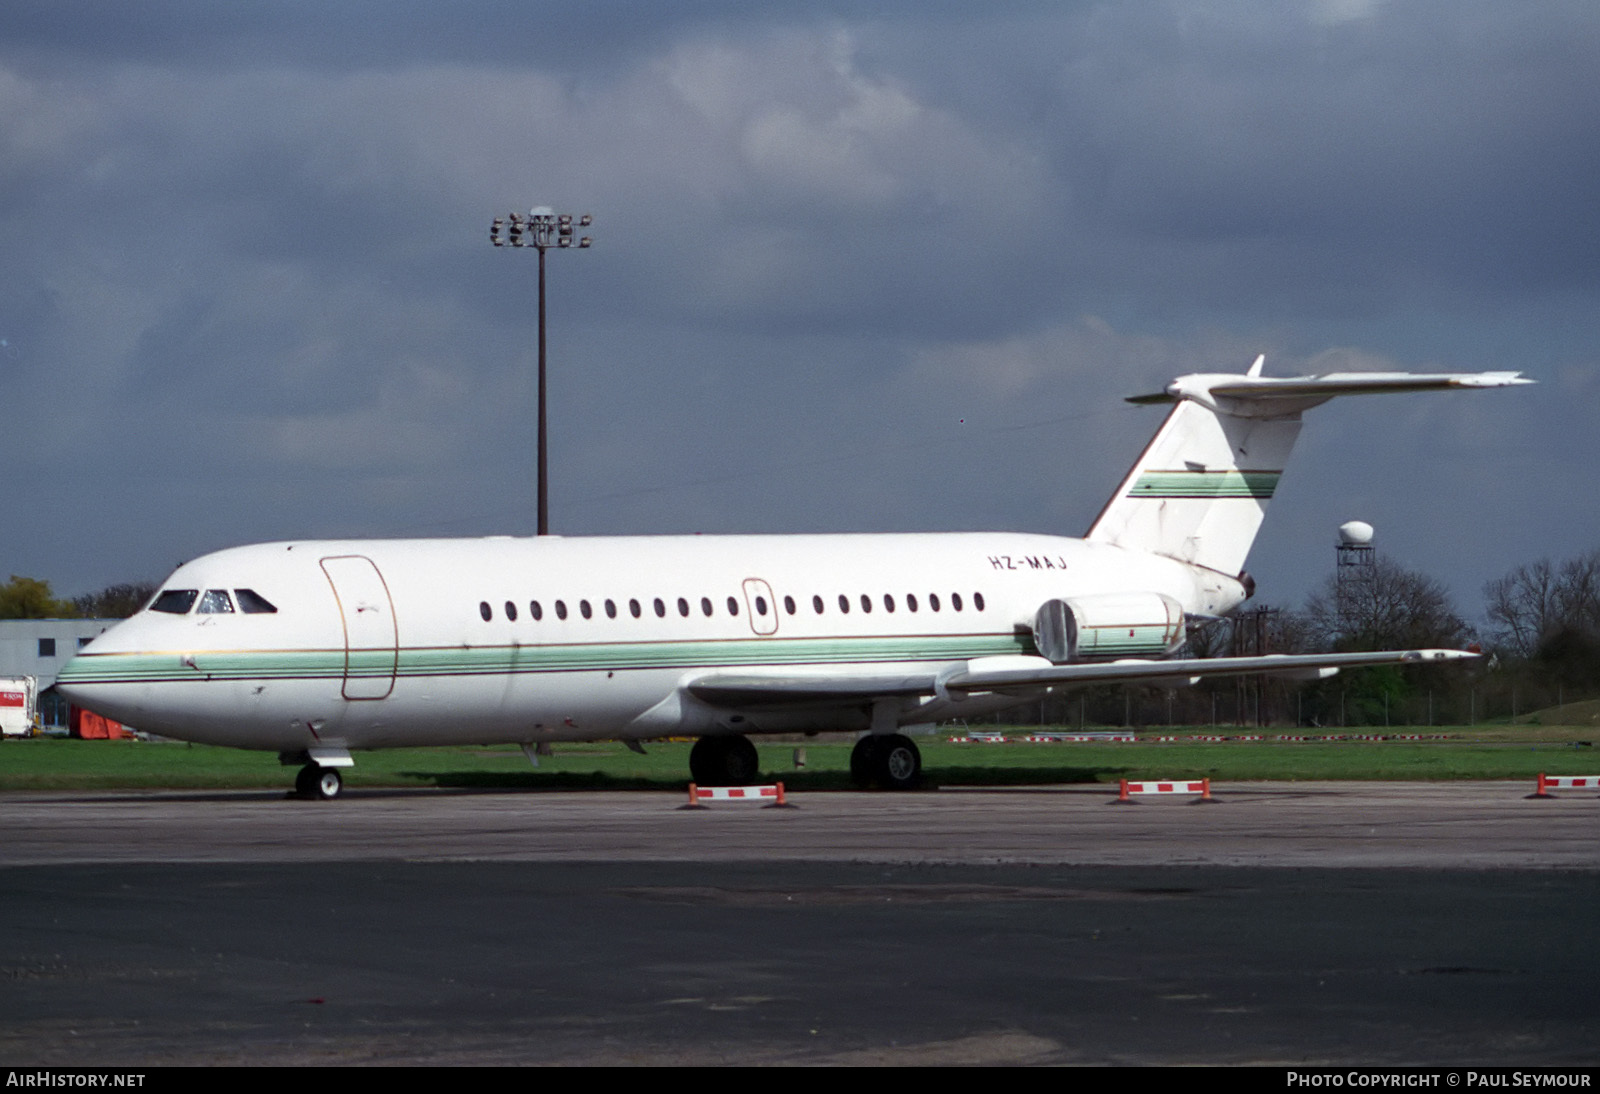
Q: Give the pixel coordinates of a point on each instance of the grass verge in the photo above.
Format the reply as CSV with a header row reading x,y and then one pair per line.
x,y
1477,753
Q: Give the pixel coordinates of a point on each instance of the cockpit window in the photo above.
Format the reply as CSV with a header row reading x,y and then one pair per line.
x,y
253,603
174,601
216,602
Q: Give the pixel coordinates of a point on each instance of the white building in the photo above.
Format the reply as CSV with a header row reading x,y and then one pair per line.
x,y
38,648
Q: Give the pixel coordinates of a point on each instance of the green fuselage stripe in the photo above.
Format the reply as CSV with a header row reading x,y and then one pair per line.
x,y
91,668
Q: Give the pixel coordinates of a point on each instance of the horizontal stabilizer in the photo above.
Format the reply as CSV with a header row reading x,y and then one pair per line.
x,y
750,690
1200,489
1308,391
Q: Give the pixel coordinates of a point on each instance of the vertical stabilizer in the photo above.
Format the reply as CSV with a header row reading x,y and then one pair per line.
x,y
1199,491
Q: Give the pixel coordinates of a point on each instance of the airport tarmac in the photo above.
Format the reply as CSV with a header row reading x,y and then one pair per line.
x,y
1288,923
1422,825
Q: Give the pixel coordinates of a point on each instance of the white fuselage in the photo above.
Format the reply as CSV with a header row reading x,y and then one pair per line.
x,y
382,643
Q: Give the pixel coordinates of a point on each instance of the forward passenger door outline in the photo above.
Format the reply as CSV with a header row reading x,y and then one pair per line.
x,y
371,635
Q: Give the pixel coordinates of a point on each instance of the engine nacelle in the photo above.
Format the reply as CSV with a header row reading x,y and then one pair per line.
x,y
1107,627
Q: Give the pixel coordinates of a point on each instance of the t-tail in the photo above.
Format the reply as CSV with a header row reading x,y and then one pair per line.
x,y
1199,491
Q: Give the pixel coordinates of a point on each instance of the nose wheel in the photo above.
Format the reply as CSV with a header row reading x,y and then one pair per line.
x,y
318,783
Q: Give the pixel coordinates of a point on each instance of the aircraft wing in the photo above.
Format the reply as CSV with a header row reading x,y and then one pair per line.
x,y
747,689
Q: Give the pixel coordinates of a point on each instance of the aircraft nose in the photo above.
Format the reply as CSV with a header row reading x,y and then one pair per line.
x,y
97,682
76,681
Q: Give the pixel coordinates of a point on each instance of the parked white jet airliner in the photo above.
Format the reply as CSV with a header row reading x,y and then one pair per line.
x,y
313,649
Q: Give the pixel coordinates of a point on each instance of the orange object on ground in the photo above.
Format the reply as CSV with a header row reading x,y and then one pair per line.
x,y
92,727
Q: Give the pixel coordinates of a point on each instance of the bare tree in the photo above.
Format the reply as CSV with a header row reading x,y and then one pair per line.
x,y
1389,608
1522,607
1539,602
1546,619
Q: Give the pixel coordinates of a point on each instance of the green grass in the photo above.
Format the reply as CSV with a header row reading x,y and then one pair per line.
x,y
1497,752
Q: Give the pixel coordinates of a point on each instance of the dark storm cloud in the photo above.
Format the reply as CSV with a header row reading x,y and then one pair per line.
x,y
857,267
361,33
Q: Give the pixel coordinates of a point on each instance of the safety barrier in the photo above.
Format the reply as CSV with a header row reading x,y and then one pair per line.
x,y
1165,786
771,795
1564,782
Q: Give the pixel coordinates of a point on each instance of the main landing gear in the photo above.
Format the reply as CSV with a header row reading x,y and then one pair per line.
x,y
318,783
727,760
889,760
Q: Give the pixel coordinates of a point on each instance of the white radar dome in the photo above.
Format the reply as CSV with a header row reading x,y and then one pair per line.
x,y
1355,533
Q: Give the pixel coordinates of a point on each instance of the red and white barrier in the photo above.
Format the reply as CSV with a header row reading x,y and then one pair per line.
x,y
1564,782
771,795
1166,786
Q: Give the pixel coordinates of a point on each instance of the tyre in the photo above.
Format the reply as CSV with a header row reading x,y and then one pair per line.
x,y
329,783
740,764
318,783
863,767
705,761
897,763
728,760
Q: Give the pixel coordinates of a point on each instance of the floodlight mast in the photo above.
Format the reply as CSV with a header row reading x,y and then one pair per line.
x,y
541,228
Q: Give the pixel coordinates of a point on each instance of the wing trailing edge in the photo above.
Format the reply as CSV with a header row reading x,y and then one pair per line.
x,y
755,689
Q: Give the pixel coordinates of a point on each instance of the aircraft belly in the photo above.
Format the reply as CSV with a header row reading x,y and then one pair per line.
x,y
491,708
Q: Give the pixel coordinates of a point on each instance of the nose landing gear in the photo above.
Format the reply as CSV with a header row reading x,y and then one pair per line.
x,y
318,783
318,779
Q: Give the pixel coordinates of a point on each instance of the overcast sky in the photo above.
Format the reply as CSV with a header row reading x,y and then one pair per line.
x,y
876,267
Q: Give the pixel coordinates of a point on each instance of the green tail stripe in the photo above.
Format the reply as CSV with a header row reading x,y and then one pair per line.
x,y
1206,484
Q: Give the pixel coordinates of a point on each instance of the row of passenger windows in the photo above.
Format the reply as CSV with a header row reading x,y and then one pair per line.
x,y
708,609
215,602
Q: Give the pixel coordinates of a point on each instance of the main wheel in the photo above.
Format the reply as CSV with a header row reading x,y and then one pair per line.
x,y
897,763
863,761
725,760
318,783
740,763
705,761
